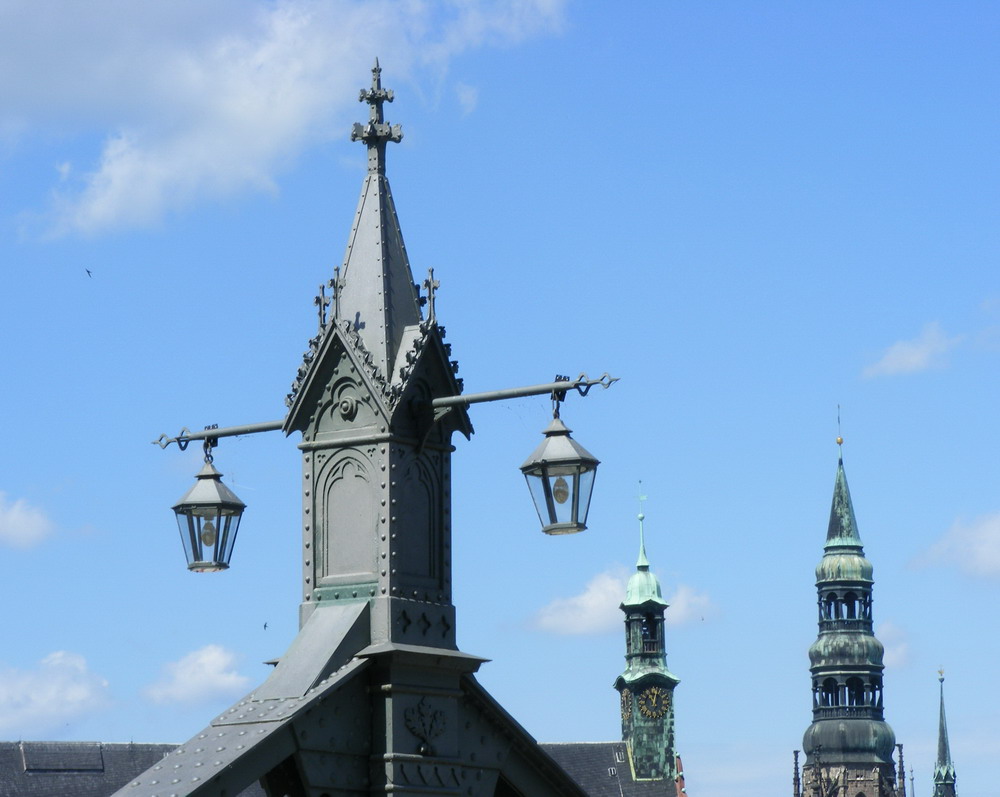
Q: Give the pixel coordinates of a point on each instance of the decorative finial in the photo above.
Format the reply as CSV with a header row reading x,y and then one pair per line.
x,y
322,301
643,562
431,285
840,439
376,133
941,675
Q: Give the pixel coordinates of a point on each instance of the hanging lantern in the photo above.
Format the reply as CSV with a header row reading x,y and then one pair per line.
x,y
208,517
560,475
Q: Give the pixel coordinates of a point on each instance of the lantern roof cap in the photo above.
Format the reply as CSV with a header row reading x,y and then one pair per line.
x,y
558,446
208,489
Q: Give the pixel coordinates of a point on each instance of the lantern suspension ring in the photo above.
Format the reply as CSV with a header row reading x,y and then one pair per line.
x,y
559,396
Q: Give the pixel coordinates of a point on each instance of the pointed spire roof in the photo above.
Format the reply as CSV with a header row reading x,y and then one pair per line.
x,y
944,770
843,528
375,293
643,586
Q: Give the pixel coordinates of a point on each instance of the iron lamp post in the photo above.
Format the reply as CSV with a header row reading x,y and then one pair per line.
x,y
208,517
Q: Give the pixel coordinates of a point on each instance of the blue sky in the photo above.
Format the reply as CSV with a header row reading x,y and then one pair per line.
x,y
751,213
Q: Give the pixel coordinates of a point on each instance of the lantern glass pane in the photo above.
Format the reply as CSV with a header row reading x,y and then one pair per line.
x,y
586,490
561,488
537,484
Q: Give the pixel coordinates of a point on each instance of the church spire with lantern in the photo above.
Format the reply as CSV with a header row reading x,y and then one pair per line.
x,y
848,746
647,686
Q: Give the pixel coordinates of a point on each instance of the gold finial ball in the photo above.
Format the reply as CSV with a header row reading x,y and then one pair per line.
x,y
840,441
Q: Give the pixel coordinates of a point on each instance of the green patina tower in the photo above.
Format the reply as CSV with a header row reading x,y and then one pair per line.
x,y
849,745
944,769
647,686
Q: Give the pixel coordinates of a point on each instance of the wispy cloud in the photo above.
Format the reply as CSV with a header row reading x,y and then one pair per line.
x,y
592,611
22,525
205,100
973,547
910,356
687,605
43,700
468,97
595,610
896,644
202,675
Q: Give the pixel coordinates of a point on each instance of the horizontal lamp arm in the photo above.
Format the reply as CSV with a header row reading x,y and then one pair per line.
x,y
582,384
209,433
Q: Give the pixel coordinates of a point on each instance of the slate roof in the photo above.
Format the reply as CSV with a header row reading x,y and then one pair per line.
x,y
81,769
602,769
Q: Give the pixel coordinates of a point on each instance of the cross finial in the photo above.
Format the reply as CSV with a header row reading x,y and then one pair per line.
x,y
322,301
431,285
376,133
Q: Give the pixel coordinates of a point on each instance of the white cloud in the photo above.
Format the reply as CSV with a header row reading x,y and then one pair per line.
x,y
202,675
204,100
468,97
22,525
593,611
896,644
973,547
42,701
596,610
911,356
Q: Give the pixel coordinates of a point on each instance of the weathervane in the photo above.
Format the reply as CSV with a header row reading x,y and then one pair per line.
x,y
376,132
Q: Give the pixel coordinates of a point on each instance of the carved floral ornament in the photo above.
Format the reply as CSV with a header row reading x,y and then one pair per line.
x,y
426,723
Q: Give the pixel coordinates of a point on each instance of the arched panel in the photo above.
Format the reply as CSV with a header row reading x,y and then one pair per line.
x,y
421,530
349,507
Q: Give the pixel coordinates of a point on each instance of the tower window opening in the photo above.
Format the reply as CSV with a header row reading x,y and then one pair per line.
x,y
830,695
851,605
649,629
855,692
830,606
876,692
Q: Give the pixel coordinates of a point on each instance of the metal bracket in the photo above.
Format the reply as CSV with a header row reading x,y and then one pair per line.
x,y
213,433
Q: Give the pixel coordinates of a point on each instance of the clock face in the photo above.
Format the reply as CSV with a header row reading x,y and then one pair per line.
x,y
626,704
654,702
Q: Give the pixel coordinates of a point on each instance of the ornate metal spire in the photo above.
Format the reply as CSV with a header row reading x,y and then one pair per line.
x,y
944,770
377,132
